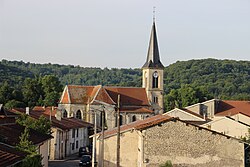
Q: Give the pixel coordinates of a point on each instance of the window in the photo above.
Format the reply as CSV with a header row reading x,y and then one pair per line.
x,y
155,99
133,118
77,132
121,121
73,146
73,133
65,114
79,114
77,144
155,80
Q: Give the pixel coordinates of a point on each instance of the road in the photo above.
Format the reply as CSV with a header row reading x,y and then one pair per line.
x,y
72,161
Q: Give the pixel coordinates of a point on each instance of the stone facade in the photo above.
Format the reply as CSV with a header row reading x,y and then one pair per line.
x,y
182,143
153,93
187,145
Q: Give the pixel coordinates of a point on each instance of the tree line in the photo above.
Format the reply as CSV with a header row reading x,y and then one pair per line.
x,y
185,82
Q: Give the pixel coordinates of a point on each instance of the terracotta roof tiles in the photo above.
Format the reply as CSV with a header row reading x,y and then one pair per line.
x,y
129,95
16,131
64,123
231,107
140,124
9,156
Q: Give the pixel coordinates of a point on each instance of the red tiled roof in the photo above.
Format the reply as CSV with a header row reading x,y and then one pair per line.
x,y
7,120
10,156
128,95
140,124
136,110
46,110
80,94
64,123
11,133
103,96
230,107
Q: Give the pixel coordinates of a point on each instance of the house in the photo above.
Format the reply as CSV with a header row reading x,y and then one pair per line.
x,y
9,156
69,134
186,115
153,141
228,126
225,116
135,103
10,133
216,107
10,136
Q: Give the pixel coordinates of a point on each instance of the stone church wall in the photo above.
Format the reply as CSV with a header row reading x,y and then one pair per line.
x,y
190,146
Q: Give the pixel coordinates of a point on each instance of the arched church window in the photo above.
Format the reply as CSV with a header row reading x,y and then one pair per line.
x,y
79,114
155,80
133,118
65,114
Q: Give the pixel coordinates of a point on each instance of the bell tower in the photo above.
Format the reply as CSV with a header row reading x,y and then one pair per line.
x,y
152,74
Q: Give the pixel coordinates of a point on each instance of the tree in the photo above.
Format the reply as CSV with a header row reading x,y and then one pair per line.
x,y
33,158
52,89
41,125
32,92
5,93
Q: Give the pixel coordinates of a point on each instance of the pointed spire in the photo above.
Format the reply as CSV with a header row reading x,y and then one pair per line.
x,y
153,57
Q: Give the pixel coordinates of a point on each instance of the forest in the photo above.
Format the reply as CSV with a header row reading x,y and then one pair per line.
x,y
185,82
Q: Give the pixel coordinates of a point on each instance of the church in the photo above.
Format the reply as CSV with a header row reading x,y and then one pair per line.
x,y
135,103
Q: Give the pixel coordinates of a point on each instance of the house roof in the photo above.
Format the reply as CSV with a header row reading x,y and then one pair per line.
x,y
9,156
64,123
129,96
7,120
231,107
140,124
156,120
136,110
10,135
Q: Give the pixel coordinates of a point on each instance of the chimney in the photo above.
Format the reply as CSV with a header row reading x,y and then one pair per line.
x,y
27,111
204,115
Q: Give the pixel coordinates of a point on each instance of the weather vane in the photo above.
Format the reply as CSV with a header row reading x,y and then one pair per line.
x,y
154,13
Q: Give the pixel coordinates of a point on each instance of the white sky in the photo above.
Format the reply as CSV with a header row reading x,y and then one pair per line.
x,y
113,33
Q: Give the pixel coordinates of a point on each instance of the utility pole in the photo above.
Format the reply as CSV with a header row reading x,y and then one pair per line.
x,y
118,132
94,143
103,122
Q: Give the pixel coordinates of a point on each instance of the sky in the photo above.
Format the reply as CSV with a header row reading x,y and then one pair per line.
x,y
115,34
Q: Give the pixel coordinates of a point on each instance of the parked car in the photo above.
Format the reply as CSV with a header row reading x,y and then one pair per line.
x,y
85,161
84,151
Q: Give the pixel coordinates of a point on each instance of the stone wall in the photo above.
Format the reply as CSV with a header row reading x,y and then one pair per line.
x,y
190,146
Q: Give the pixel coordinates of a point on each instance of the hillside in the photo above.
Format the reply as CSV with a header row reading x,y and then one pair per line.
x,y
186,82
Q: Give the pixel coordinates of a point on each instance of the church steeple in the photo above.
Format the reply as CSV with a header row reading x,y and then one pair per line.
x,y
152,74
153,57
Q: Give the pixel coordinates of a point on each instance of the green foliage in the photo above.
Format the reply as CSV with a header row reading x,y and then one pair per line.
x,y
185,82
168,163
41,125
33,159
